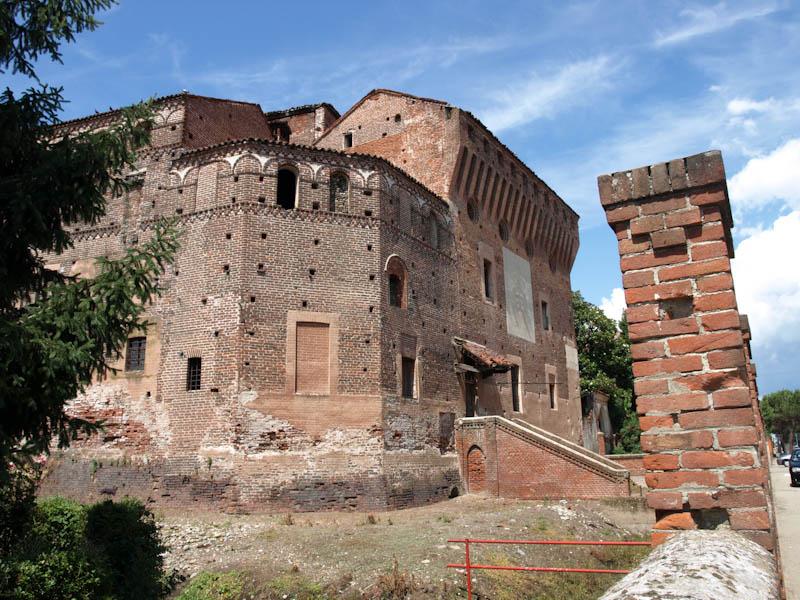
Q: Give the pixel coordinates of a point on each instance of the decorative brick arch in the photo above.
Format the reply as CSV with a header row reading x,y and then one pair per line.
x,y
476,470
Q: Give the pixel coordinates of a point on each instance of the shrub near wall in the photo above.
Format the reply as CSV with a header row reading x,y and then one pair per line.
x,y
73,551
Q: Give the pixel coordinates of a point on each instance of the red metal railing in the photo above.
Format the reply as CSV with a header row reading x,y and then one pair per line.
x,y
469,566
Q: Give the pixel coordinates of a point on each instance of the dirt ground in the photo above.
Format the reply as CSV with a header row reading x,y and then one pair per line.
x,y
348,552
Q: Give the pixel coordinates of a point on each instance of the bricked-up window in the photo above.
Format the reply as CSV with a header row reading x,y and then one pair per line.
x,y
408,366
488,279
545,316
134,354
340,185
348,140
312,358
447,426
398,281
515,389
194,371
551,389
287,189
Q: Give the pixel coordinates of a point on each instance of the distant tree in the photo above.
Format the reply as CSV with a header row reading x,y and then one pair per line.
x,y
604,359
57,333
781,413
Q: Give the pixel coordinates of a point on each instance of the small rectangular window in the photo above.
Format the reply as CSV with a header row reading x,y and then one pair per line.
x,y
551,390
515,389
545,316
134,354
488,279
408,365
348,140
193,373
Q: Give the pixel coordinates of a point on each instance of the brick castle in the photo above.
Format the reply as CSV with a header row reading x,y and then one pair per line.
x,y
348,287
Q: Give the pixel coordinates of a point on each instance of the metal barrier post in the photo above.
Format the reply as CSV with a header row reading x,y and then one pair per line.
x,y
469,570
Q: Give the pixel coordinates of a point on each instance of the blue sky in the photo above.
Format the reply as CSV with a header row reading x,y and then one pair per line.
x,y
576,89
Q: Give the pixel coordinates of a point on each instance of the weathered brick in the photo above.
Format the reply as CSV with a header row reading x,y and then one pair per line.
x,y
705,342
638,279
646,260
661,462
716,418
667,238
711,459
746,436
684,218
715,283
726,359
644,387
655,207
648,350
646,224
745,477
673,403
665,291
707,198
623,213
681,364
642,313
648,423
676,479
749,519
731,398
708,250
665,500
658,442
696,269
719,301
728,319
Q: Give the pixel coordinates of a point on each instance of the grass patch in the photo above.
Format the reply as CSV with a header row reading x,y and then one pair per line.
x,y
215,586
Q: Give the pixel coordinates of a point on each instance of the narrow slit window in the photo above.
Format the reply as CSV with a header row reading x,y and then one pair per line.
x,y
193,373
134,354
551,390
515,389
545,316
408,366
488,279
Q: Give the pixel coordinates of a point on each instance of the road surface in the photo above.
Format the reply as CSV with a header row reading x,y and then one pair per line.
x,y
787,512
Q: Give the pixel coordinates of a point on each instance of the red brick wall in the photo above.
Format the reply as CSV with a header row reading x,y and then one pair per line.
x,y
696,397
453,154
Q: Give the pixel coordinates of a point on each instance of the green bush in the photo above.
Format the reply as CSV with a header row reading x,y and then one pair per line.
x,y
214,586
71,551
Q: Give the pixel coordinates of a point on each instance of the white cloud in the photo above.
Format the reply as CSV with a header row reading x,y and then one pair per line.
x,y
767,179
768,285
705,20
614,306
542,96
741,106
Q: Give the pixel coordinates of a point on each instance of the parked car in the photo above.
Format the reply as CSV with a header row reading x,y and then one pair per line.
x,y
794,468
783,459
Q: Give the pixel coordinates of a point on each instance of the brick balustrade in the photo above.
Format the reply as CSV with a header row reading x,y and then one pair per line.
x,y
694,384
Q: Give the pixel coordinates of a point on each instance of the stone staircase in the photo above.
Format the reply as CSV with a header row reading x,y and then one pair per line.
x,y
514,459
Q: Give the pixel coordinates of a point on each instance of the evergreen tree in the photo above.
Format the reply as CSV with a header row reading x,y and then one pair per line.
x,y
57,333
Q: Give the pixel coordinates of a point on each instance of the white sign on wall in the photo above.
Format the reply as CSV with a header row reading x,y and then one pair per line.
x,y
519,296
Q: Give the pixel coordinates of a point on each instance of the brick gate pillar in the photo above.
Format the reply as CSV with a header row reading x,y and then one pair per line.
x,y
695,389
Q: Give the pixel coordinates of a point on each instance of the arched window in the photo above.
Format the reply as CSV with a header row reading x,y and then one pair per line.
x,y
340,186
398,282
287,189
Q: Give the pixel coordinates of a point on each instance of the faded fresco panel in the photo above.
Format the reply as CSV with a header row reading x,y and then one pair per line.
x,y
519,296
